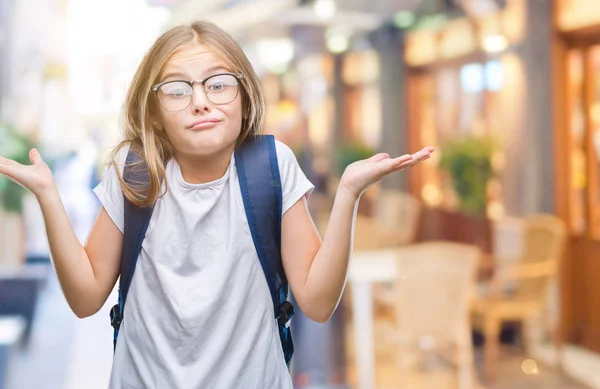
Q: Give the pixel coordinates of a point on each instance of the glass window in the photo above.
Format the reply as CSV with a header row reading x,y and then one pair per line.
x,y
454,101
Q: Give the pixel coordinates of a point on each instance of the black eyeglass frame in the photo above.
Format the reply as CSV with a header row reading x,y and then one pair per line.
x,y
239,77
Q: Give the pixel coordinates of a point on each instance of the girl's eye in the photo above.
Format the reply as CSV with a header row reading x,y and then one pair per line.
x,y
176,89
216,87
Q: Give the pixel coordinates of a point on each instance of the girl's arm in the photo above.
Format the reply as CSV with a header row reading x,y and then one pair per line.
x,y
86,274
317,271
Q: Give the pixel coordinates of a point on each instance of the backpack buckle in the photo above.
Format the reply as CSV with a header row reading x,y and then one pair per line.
x,y
286,311
115,317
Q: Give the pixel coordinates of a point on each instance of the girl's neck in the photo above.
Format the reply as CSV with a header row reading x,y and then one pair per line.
x,y
202,169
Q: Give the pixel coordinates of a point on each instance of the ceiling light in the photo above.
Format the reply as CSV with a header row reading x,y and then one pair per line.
x,y
495,43
324,9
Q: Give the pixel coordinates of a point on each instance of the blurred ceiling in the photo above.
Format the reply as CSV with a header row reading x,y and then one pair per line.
x,y
237,16
317,25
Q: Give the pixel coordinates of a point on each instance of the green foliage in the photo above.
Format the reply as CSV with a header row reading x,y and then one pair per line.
x,y
348,153
14,146
468,162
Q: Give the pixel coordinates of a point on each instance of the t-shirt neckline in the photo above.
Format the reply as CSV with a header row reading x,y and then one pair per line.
x,y
204,185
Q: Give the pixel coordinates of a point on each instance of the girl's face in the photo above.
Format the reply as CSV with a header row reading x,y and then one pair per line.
x,y
203,128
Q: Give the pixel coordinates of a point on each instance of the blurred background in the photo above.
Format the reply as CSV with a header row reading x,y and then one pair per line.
x,y
477,269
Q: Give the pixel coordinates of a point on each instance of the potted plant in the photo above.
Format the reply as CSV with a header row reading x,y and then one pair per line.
x,y
14,146
468,162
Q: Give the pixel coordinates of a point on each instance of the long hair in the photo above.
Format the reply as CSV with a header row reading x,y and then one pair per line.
x,y
142,132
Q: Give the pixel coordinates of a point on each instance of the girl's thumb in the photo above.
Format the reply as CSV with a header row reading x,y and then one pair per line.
x,y
35,157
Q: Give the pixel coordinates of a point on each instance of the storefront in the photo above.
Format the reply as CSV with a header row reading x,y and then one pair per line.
x,y
577,130
466,78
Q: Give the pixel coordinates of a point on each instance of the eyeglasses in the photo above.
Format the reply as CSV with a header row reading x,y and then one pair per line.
x,y
177,95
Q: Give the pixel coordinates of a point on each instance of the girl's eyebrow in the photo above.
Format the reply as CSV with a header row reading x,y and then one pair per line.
x,y
183,76
214,69
174,74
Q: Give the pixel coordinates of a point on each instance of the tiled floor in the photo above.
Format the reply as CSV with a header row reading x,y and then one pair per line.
x,y
68,353
64,352
439,374
41,362
511,375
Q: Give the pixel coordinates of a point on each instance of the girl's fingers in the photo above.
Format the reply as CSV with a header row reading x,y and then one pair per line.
x,y
422,154
414,162
401,160
35,157
8,171
379,157
8,162
392,165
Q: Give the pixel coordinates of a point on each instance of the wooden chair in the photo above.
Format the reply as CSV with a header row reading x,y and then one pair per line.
x,y
434,289
399,212
528,280
369,234
394,224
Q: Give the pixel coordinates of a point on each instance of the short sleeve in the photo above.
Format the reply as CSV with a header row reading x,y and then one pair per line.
x,y
110,193
294,183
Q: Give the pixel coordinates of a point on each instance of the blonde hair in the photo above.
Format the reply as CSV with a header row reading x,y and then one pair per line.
x,y
142,134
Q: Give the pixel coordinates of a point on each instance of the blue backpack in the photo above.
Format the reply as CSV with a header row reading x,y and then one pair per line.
x,y
260,183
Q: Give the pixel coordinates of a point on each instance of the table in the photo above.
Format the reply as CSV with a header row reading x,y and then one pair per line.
x,y
367,268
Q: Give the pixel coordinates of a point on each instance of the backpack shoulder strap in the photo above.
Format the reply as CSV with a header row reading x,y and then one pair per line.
x,y
136,221
260,184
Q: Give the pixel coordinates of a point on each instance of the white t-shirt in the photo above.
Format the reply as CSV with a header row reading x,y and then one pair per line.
x,y
199,313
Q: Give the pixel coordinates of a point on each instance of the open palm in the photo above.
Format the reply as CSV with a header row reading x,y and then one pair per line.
x,y
37,177
360,175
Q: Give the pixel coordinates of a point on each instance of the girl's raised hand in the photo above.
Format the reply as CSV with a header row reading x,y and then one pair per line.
x,y
360,175
37,177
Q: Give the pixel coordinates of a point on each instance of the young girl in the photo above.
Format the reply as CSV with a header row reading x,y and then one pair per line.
x,y
199,313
